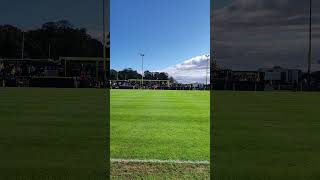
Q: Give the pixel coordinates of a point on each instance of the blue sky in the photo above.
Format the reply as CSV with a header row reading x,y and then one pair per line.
x,y
167,31
173,34
32,14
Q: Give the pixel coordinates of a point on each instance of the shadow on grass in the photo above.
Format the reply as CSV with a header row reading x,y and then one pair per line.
x,y
130,170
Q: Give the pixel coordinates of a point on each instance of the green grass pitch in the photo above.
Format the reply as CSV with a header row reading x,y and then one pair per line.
x,y
262,135
44,132
163,125
266,135
52,134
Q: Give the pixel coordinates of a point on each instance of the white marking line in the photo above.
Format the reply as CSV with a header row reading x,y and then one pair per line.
x,y
158,161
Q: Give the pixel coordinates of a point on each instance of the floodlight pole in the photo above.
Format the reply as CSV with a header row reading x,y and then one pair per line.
x,y
310,42
22,46
207,56
142,73
104,42
49,51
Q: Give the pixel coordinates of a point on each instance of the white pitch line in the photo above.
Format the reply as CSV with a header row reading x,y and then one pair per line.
x,y
158,161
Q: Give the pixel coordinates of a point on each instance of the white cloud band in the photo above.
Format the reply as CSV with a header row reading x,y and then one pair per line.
x,y
192,70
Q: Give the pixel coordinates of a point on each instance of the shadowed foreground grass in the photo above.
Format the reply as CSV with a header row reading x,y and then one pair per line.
x,y
159,171
266,135
53,134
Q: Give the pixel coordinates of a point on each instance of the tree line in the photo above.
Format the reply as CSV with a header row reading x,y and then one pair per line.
x,y
129,73
60,38
54,39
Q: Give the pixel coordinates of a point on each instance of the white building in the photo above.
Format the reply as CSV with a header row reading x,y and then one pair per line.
x,y
279,74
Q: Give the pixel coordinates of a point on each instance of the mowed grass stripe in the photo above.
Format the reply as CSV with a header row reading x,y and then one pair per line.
x,y
165,125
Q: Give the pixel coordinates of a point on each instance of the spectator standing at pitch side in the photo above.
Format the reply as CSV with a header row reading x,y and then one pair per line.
x,y
2,74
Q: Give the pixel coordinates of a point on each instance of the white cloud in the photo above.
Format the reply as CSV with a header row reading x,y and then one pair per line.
x,y
191,70
250,34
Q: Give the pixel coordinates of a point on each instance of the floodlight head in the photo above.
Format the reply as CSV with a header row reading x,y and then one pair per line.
x,y
141,54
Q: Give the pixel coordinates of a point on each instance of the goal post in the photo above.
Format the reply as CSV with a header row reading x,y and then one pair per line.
x,y
71,64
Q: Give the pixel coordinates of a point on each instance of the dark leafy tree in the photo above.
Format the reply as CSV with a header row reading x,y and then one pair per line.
x,y
113,74
10,41
163,76
148,75
128,73
61,37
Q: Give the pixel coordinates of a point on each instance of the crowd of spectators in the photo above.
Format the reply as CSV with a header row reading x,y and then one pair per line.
x,y
22,73
16,73
164,85
87,79
14,70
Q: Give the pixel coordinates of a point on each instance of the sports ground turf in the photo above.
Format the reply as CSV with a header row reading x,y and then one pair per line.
x,y
165,125
262,135
162,125
54,129
52,134
266,135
